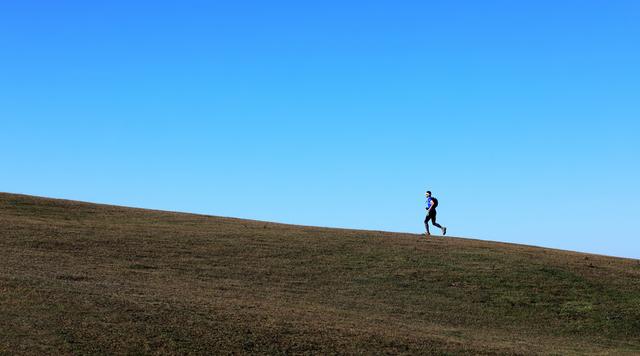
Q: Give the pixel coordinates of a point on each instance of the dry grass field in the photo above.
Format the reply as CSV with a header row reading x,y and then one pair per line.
x,y
80,278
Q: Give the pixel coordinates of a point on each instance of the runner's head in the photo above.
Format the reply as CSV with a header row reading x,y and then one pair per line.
x,y
428,193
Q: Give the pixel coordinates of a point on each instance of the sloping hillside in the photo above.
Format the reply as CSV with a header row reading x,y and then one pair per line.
x,y
85,278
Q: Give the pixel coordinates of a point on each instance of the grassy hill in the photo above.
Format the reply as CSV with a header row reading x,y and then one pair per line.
x,y
85,278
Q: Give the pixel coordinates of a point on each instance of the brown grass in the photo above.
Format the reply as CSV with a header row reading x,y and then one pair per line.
x,y
78,278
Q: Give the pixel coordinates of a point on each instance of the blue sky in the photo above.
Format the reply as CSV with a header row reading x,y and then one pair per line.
x,y
521,117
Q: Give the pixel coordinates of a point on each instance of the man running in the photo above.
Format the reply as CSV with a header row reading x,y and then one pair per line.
x,y
432,203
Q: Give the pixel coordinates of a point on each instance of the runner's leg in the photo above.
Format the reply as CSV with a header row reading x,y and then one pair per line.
x,y
426,223
433,220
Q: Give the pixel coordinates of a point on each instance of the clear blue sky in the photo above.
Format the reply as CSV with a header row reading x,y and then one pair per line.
x,y
521,117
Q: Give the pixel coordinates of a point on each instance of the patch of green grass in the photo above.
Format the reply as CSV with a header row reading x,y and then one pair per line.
x,y
576,309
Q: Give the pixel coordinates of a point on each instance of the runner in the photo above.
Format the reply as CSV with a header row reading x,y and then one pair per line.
x,y
432,204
